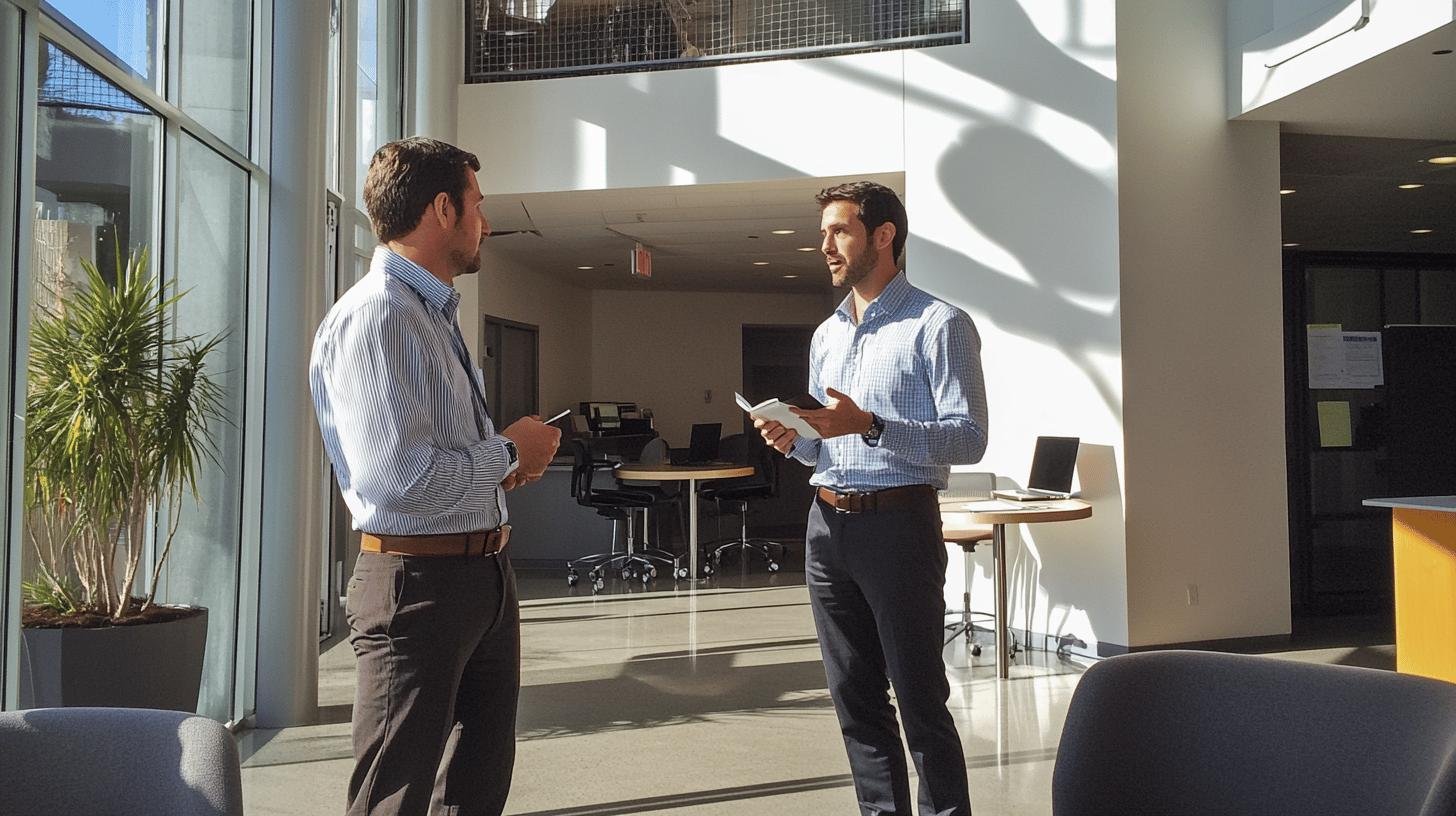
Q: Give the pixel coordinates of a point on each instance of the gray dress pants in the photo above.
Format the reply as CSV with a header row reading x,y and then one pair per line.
x,y
439,647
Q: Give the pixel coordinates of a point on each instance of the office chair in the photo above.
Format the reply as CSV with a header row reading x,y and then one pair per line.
x,y
117,760
666,495
744,449
968,487
619,506
1206,733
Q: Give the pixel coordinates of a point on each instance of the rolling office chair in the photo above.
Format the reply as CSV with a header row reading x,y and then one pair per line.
x,y
667,496
619,506
743,449
968,487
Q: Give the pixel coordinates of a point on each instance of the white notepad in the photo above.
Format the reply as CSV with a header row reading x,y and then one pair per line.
x,y
779,412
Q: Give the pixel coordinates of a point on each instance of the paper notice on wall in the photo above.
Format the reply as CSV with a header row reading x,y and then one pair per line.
x,y
1334,424
1341,359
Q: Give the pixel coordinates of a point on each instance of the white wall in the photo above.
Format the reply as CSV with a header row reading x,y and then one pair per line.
x,y
1201,338
664,349
562,312
1264,32
1008,148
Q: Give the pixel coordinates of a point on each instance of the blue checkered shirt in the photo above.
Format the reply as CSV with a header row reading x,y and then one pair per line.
x,y
401,408
915,361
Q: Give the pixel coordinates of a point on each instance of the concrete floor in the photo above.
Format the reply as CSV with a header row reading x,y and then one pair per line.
x,y
665,701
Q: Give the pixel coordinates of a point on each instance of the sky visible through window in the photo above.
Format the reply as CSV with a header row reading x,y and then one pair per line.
x,y
123,27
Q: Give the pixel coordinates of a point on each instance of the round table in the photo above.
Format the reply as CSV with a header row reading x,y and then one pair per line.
x,y
960,519
690,474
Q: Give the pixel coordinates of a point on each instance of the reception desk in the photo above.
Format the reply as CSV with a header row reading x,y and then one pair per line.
x,y
1424,538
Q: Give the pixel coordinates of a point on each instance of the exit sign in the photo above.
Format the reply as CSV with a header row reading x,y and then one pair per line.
x,y
641,261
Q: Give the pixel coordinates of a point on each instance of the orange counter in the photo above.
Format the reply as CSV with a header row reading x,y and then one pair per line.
x,y
1424,538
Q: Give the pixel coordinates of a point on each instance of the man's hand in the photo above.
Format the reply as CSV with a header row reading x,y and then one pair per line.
x,y
776,435
839,417
536,444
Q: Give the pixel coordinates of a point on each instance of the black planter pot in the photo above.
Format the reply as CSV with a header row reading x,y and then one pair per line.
x,y
150,665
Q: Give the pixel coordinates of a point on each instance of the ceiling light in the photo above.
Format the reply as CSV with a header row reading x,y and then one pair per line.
x,y
1441,160
791,276
1441,53
807,249
783,232
1422,231
760,263
1410,186
1286,191
1291,243
586,267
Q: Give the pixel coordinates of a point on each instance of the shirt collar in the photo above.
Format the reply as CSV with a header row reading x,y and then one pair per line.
x,y
888,301
430,288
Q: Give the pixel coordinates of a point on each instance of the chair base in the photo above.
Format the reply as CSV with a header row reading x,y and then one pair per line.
x,y
632,563
746,546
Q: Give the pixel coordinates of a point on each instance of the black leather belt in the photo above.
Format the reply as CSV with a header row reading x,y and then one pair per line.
x,y
480,542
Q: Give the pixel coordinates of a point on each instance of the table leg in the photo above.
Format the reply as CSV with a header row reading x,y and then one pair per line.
x,y
693,530
1003,643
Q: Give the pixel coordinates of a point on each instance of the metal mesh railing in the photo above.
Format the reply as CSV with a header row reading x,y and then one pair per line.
x,y
66,82
523,39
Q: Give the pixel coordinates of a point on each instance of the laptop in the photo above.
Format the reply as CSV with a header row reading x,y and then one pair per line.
x,y
1052,466
703,443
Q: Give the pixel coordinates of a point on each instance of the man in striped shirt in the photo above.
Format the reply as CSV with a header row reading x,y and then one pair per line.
x,y
432,603
900,374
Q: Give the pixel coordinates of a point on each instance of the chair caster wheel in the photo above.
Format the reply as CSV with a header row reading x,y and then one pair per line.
x,y
652,572
646,578
598,585
626,575
707,569
681,573
975,650
572,578
773,566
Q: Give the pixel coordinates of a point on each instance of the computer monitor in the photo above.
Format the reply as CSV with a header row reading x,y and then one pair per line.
x,y
1053,464
703,443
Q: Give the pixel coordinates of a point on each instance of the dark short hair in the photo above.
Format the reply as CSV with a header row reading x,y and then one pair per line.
x,y
877,205
406,175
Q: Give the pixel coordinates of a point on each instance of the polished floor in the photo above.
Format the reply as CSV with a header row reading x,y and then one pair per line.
x,y
663,701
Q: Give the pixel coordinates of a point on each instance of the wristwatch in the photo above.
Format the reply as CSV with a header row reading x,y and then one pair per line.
x,y
512,458
877,427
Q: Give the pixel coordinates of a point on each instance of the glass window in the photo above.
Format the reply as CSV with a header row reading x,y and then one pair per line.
x,y
125,31
379,110
331,103
212,268
214,82
95,171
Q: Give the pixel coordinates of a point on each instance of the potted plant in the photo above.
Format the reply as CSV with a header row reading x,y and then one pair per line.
x,y
118,413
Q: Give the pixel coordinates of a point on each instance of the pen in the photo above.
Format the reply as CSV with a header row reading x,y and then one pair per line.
x,y
558,416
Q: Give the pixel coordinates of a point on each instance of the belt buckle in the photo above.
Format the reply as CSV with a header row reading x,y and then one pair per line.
x,y
848,500
502,538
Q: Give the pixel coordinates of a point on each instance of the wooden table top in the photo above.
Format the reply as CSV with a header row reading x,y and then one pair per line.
x,y
962,515
665,472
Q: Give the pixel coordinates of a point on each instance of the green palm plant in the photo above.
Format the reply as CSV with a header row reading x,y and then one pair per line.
x,y
118,413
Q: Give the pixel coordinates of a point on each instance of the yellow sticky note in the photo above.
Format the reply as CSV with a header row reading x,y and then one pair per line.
x,y
1334,424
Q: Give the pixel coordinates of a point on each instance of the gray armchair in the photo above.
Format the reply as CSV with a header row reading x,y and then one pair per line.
x,y
117,760
1180,732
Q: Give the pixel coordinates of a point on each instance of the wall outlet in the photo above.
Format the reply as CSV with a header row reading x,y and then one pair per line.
x,y
707,395
1192,594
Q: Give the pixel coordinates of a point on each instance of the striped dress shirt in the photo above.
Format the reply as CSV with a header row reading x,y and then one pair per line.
x,y
401,407
913,360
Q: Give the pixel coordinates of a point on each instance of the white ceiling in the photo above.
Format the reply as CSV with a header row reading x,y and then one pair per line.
x,y
1407,92
703,238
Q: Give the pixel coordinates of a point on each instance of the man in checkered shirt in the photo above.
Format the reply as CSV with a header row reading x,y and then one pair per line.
x,y
899,372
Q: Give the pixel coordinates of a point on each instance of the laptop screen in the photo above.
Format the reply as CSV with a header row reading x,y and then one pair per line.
x,y
1053,463
703,445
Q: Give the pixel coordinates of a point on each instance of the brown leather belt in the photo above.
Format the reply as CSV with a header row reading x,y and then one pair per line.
x,y
480,542
877,501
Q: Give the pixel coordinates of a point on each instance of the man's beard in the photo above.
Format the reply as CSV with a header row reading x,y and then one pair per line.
x,y
860,268
465,264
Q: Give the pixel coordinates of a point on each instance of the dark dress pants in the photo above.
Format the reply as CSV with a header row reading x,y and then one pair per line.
x,y
439,647
876,586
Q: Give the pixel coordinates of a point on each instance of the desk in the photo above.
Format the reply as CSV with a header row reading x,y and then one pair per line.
x,y
690,474
1423,535
959,518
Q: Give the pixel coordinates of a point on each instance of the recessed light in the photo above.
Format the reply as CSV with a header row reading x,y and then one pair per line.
x,y
783,232
791,276
1422,231
1441,53
1291,243
1286,191
586,267
760,263
1410,186
755,237
1441,160
808,249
